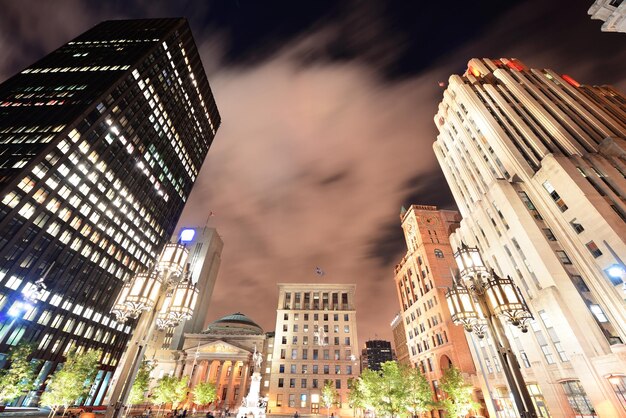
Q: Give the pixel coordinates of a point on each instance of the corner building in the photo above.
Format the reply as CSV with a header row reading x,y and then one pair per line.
x,y
536,163
421,279
102,141
315,342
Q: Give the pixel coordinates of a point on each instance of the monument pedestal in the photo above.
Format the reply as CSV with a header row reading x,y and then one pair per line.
x,y
253,403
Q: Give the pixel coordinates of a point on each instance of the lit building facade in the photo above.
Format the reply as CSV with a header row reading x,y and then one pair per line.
x,y
102,141
220,354
375,353
315,342
536,164
421,279
399,340
611,12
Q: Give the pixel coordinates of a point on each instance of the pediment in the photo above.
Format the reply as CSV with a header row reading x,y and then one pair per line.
x,y
217,347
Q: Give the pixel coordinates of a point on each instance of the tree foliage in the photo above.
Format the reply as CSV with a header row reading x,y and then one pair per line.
x,y
19,376
386,390
204,393
458,400
329,395
420,396
170,389
141,383
357,397
393,391
73,380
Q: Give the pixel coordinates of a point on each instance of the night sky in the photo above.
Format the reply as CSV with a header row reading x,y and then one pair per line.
x,y
327,121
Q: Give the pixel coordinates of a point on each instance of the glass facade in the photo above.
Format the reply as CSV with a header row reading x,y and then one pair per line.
x,y
102,141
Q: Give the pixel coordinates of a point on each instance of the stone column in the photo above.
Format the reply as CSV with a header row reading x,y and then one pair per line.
x,y
218,381
229,391
243,390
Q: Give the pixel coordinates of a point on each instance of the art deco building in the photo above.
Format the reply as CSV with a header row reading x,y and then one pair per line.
x,y
611,12
399,340
536,163
421,278
375,353
315,342
102,141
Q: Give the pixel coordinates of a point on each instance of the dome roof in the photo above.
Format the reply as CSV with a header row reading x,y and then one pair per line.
x,y
236,323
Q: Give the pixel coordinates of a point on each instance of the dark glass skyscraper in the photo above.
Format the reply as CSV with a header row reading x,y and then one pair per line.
x,y
100,144
375,353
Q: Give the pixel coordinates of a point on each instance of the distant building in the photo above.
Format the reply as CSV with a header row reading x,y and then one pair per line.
x,y
221,354
375,353
536,163
102,141
399,340
421,279
315,343
612,12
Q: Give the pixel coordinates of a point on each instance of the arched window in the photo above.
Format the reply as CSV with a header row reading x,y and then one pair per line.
x,y
438,253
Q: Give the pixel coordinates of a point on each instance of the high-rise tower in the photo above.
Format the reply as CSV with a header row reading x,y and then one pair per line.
x,y
421,278
536,163
102,141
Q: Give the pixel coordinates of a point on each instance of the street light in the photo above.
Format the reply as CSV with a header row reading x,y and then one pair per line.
x,y
475,300
167,296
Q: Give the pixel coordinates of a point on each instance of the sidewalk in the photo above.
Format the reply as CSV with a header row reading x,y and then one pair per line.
x,y
24,412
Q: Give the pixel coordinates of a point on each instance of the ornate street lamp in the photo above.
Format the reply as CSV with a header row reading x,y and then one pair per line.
x,y
120,309
184,298
506,299
173,260
163,320
477,301
143,293
168,295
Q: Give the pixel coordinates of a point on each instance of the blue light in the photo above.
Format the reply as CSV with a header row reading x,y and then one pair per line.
x,y
187,234
615,271
18,309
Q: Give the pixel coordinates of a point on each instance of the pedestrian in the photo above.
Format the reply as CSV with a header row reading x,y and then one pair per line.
x,y
296,415
184,415
147,412
175,413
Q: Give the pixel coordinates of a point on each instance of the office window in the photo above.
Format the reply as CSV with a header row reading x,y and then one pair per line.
x,y
549,235
593,249
538,400
577,227
292,383
326,369
279,400
303,383
337,383
563,258
281,382
315,369
577,398
281,368
619,386
293,368
347,340
555,196
438,253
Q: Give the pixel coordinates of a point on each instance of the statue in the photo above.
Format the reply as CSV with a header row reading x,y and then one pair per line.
x,y
253,403
257,358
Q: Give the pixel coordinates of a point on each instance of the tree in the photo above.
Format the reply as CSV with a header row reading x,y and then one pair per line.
x,y
420,396
458,400
357,395
19,376
170,389
387,390
204,393
329,396
141,383
72,381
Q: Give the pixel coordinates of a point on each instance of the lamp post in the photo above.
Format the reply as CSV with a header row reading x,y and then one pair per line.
x,y
476,300
161,298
